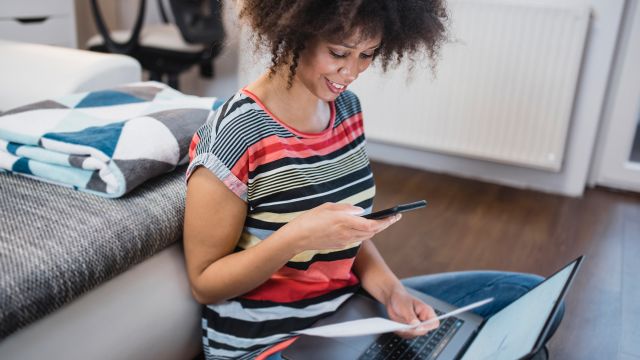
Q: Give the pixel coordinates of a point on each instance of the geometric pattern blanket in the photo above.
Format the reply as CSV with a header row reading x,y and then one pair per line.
x,y
104,142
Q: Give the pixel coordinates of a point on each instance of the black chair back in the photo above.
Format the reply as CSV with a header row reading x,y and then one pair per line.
x,y
199,22
111,45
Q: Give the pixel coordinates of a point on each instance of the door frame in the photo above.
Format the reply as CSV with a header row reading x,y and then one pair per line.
x,y
612,167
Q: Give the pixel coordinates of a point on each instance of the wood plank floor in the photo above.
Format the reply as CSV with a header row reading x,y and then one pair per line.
x,y
475,225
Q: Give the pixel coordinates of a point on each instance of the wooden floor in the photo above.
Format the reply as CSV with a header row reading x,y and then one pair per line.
x,y
475,225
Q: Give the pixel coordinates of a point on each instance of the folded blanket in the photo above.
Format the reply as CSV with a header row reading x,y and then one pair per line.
x,y
105,142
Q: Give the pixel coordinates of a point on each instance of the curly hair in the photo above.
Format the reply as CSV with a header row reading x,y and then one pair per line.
x,y
407,27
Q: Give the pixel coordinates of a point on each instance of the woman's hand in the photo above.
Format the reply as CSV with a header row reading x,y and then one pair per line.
x,y
332,226
406,308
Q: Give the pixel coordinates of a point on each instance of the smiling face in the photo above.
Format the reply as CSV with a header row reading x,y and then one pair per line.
x,y
326,68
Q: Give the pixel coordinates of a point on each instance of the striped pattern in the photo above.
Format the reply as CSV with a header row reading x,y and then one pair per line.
x,y
281,172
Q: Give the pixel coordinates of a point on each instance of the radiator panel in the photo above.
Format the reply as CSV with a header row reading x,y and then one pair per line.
x,y
503,90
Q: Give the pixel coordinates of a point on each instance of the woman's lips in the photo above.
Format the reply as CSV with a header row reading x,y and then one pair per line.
x,y
333,88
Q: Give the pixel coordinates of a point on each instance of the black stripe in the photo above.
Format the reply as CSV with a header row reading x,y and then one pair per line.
x,y
218,345
315,188
223,112
332,256
238,103
257,304
259,224
252,329
292,179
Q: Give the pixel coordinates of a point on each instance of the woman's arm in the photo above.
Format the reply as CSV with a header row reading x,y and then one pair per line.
x,y
378,280
214,219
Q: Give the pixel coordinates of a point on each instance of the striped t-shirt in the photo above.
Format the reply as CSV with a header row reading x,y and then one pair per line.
x,y
281,172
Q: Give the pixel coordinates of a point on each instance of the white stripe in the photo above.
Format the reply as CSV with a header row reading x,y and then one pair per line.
x,y
298,182
236,112
243,342
316,195
225,353
323,171
296,179
234,310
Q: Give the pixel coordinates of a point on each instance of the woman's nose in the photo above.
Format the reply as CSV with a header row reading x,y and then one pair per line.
x,y
349,71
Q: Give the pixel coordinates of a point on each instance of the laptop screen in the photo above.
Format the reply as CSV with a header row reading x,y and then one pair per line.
x,y
512,333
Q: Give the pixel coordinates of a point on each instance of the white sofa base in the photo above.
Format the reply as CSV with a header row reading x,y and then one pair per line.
x,y
32,72
147,312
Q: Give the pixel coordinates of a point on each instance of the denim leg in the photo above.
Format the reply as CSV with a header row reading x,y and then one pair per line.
x,y
466,287
276,356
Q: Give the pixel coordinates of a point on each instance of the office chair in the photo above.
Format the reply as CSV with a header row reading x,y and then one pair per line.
x,y
167,49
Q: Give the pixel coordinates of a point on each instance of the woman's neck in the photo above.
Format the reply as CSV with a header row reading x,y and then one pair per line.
x,y
295,106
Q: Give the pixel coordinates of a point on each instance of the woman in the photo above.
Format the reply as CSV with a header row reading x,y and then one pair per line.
x,y
273,240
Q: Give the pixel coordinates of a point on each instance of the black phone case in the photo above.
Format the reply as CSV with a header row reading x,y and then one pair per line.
x,y
394,210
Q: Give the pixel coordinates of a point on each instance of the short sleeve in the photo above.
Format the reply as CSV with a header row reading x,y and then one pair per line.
x,y
220,147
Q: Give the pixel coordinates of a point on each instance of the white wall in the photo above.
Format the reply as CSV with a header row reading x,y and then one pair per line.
x,y
571,180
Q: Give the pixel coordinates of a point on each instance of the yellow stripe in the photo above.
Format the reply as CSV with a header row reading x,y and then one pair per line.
x,y
247,240
309,254
360,197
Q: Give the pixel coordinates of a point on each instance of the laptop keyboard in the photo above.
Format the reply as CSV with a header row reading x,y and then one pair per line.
x,y
390,346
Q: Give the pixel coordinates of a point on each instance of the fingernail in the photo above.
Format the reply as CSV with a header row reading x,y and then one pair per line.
x,y
357,210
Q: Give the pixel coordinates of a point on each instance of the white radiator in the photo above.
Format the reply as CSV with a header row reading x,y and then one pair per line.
x,y
503,89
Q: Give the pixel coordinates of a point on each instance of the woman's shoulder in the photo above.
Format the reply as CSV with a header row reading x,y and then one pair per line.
x,y
233,115
347,105
347,96
237,107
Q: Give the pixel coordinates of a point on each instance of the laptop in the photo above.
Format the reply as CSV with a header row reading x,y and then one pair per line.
x,y
515,332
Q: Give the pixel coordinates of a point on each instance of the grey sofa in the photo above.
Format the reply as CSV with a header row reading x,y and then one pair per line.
x,y
84,277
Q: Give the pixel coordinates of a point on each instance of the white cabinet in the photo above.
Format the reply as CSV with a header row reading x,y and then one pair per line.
x,y
49,22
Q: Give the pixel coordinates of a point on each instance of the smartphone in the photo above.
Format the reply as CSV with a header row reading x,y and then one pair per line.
x,y
396,209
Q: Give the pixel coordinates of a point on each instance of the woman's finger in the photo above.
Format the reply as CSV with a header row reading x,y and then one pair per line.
x,y
362,224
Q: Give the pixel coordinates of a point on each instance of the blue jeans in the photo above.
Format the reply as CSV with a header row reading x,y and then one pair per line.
x,y
276,356
465,287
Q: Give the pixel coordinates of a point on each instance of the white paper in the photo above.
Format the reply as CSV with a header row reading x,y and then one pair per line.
x,y
378,325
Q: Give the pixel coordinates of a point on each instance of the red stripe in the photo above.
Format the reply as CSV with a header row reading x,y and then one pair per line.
x,y
286,290
290,285
319,271
195,140
240,169
273,148
275,348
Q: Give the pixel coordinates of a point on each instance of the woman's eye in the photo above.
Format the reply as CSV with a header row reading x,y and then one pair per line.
x,y
337,54
366,56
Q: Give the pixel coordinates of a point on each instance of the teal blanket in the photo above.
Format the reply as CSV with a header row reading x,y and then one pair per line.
x,y
105,142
